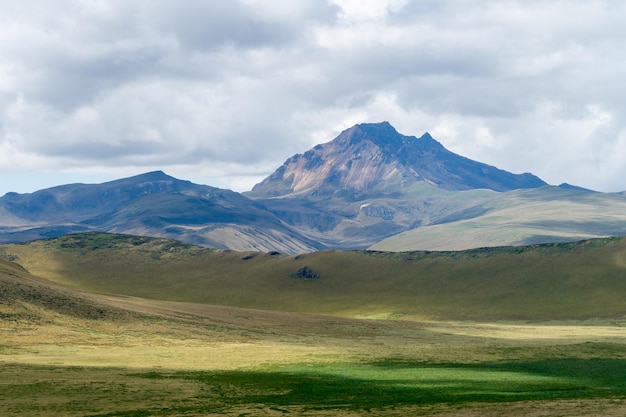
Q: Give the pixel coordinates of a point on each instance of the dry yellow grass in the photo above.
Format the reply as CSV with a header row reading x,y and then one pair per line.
x,y
192,336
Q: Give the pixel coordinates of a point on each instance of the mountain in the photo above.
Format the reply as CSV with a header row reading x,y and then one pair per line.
x,y
370,187
372,182
153,204
375,157
374,187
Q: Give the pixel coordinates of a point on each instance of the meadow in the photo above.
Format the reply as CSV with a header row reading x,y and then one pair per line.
x,y
77,341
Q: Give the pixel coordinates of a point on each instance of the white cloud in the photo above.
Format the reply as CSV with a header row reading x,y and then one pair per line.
x,y
229,90
360,10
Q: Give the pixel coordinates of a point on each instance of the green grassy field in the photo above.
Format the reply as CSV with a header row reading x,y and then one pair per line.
x,y
390,388
109,325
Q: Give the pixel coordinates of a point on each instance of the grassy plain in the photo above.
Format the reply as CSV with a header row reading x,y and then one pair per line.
x,y
72,347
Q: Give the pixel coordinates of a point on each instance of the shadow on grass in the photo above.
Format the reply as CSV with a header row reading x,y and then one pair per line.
x,y
383,385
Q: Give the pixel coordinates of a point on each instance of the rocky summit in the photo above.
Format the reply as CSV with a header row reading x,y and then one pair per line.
x,y
374,156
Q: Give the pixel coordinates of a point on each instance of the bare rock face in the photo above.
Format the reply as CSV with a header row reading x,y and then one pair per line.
x,y
370,157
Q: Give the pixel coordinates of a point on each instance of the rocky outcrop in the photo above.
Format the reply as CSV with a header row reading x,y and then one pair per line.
x,y
306,273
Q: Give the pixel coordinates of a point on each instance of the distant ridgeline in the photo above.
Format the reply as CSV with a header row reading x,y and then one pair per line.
x,y
370,187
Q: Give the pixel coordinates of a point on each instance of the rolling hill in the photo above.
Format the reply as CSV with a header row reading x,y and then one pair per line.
x,y
26,298
521,217
556,281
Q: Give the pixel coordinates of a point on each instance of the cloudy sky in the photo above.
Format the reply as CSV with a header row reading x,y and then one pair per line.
x,y
221,92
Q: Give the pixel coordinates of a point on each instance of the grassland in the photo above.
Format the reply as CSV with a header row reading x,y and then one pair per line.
x,y
81,337
520,217
559,281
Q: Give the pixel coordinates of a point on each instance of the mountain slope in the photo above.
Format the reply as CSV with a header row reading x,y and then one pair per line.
x,y
371,183
368,184
149,204
371,157
26,298
547,214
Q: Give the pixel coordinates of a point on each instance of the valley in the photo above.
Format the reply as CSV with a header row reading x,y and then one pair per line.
x,y
119,325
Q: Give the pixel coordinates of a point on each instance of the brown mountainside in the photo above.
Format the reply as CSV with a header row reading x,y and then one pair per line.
x,y
375,157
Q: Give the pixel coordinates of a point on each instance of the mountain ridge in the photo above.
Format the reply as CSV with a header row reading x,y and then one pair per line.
x,y
365,156
153,204
365,186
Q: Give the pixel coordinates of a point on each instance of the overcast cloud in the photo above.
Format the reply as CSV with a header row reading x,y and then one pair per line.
x,y
222,92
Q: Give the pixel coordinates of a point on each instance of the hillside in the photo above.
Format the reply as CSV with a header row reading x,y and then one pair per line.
x,y
27,299
558,281
152,204
522,217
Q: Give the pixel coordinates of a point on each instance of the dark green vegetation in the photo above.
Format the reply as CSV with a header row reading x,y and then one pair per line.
x,y
382,386
555,281
390,383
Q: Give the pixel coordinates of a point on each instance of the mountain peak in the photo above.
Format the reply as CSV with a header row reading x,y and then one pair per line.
x,y
382,134
376,128
384,125
374,156
152,176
